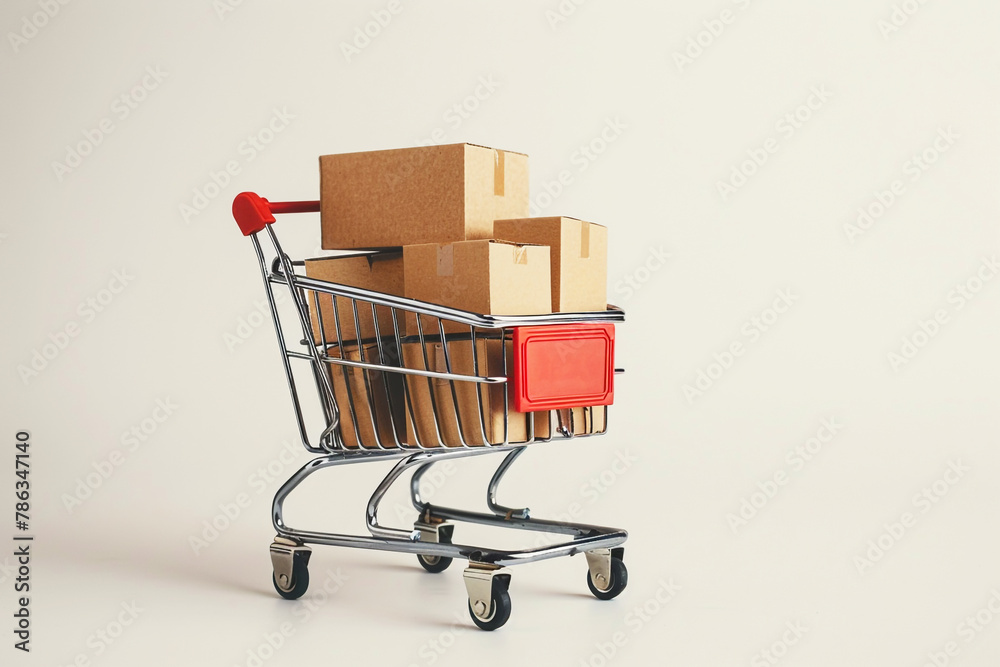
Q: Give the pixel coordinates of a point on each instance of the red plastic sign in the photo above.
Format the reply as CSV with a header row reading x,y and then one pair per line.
x,y
563,366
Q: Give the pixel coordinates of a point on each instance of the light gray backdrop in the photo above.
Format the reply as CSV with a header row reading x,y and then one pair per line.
x,y
802,207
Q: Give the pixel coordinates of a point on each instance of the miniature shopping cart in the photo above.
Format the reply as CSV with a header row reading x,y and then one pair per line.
x,y
419,382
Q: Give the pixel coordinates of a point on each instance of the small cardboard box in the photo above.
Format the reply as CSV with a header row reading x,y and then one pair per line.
x,y
489,357
585,421
378,403
487,277
579,258
419,195
381,272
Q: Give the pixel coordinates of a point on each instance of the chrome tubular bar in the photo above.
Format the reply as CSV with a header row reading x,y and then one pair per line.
x,y
585,537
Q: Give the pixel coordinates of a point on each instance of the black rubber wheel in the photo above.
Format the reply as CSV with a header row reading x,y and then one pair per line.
x,y
619,580
300,581
436,564
499,610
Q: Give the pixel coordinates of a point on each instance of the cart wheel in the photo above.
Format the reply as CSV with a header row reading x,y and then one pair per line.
x,y
619,580
436,564
499,611
300,581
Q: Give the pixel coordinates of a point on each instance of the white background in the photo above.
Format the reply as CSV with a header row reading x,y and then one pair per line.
x,y
804,558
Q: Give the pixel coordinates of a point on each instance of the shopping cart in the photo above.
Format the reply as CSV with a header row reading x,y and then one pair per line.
x,y
419,382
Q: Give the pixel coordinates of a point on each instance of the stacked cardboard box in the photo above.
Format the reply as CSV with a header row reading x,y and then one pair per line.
x,y
460,214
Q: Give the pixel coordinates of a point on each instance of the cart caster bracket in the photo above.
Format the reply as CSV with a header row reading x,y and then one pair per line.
x,y
284,553
436,532
599,562
484,582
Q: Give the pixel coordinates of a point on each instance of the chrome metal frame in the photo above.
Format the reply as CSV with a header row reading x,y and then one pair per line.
x,y
418,457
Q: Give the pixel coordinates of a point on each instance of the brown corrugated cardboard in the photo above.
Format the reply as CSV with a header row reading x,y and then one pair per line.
x,y
579,258
487,277
473,424
429,194
364,405
381,272
585,421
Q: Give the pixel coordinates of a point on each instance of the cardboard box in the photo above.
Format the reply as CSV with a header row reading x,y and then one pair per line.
x,y
473,423
579,258
487,277
381,272
378,403
429,194
585,421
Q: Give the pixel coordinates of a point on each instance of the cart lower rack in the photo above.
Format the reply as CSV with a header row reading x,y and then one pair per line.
x,y
400,379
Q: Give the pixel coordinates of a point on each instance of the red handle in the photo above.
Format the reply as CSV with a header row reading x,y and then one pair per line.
x,y
252,212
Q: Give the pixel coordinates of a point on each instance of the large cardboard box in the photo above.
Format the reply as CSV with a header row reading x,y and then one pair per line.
x,y
487,277
579,258
381,272
419,195
367,399
466,422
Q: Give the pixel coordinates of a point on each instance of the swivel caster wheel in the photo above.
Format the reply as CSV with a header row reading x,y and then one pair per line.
x,y
290,561
298,584
497,614
489,601
611,585
435,533
433,564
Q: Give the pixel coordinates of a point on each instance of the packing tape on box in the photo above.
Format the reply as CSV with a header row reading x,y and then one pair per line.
x,y
520,254
585,240
446,260
498,173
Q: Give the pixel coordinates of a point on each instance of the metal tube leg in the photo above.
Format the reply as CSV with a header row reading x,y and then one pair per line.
x,y
491,491
371,516
415,497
